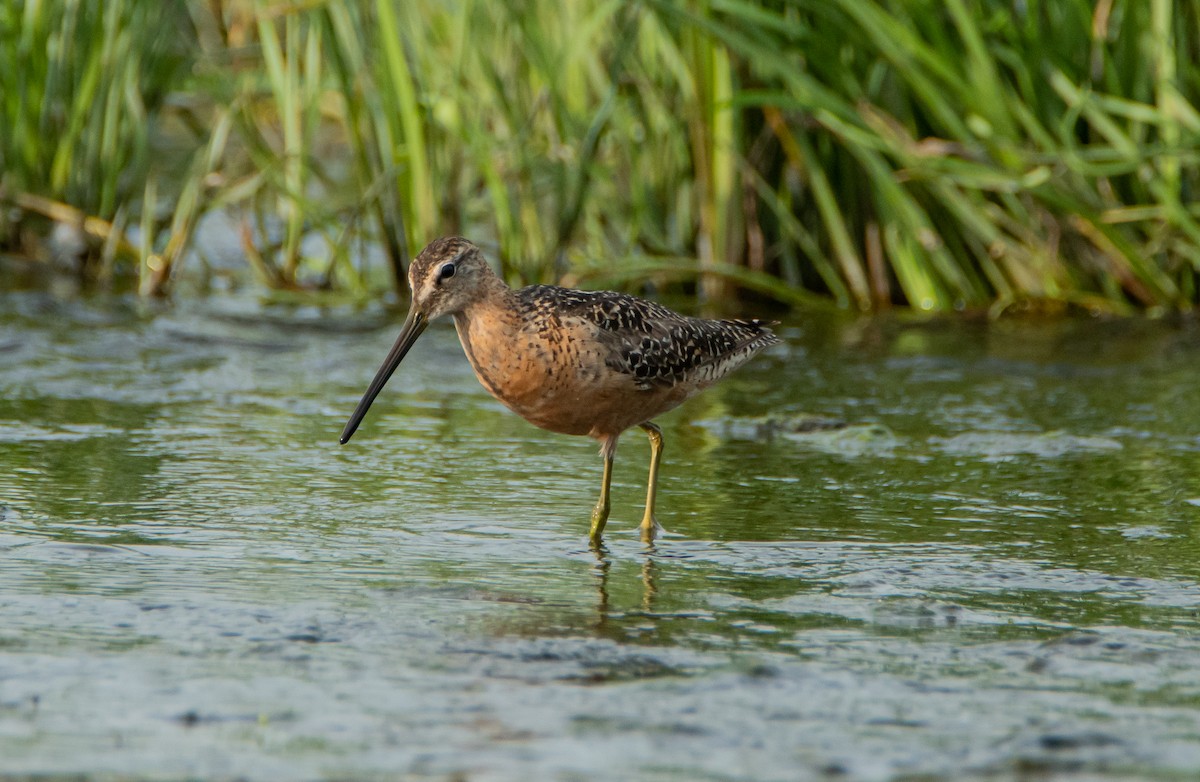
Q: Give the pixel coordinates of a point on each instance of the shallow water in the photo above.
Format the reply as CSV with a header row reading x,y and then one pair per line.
x,y
989,571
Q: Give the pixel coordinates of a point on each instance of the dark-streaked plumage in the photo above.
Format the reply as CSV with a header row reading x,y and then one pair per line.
x,y
650,343
577,362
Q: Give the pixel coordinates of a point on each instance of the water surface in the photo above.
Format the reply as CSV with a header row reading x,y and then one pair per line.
x,y
988,570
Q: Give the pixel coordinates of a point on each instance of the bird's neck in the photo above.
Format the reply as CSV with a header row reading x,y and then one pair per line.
x,y
493,315
489,329
491,298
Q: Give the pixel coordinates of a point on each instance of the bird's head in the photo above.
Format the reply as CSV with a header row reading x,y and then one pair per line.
x,y
446,277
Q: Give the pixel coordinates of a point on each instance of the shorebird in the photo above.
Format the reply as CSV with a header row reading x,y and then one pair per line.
x,y
577,362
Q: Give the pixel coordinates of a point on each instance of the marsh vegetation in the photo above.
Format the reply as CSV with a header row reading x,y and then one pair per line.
x,y
962,154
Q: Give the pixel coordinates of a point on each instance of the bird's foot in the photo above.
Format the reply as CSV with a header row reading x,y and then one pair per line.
x,y
650,528
599,519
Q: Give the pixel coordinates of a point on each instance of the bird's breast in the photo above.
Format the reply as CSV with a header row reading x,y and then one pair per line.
x,y
546,374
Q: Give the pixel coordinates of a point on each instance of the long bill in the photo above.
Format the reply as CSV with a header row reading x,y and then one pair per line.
x,y
414,324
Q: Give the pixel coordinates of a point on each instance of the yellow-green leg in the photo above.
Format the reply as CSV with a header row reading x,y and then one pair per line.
x,y
649,526
600,513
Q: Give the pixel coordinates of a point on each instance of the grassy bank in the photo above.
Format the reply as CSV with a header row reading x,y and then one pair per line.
x,y
960,154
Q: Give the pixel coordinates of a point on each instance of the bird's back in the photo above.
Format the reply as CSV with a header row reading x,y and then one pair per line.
x,y
655,347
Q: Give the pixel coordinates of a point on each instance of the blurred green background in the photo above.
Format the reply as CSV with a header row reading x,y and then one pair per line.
x,y
957,154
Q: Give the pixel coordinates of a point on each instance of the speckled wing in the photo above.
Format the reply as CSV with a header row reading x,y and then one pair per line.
x,y
654,345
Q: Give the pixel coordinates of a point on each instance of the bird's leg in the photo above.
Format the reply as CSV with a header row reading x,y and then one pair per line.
x,y
650,526
600,514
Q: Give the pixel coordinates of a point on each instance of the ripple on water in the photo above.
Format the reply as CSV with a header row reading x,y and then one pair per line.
x,y
198,582
996,446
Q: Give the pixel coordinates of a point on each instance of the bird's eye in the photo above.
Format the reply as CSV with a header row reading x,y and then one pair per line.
x,y
446,272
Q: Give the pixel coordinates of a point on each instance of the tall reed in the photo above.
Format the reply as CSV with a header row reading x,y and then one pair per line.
x,y
957,154
81,88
